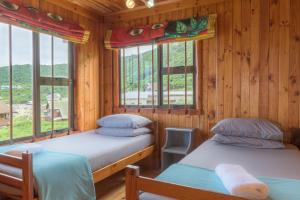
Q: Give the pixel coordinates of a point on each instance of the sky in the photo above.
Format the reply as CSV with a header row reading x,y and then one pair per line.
x,y
22,47
134,51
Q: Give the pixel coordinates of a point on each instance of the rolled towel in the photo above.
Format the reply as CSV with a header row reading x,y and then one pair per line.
x,y
240,183
30,147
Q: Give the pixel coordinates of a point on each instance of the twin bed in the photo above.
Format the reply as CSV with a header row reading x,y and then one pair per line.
x,y
195,176
106,155
276,163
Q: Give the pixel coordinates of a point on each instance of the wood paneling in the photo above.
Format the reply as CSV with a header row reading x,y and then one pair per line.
x,y
250,69
160,11
106,7
88,62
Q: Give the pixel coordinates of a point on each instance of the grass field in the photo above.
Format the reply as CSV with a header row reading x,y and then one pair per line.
x,y
23,127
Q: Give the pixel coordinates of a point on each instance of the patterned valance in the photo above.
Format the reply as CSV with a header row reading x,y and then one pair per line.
x,y
195,28
15,13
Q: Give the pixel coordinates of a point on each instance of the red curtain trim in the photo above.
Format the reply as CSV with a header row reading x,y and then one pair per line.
x,y
38,21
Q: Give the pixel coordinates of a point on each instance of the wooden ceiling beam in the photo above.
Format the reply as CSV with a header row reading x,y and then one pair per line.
x,y
96,5
117,5
160,7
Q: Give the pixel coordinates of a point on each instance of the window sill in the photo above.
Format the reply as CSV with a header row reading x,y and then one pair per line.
x,y
179,111
37,139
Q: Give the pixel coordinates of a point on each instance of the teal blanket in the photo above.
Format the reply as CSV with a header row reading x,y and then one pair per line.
x,y
280,189
61,176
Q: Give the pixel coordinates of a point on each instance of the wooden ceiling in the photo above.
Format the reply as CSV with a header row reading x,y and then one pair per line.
x,y
107,7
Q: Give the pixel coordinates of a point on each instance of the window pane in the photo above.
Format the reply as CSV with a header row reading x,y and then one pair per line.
x,y
55,106
131,66
148,79
177,89
61,58
146,75
22,59
45,56
190,53
165,55
61,108
45,107
122,85
4,82
190,89
177,54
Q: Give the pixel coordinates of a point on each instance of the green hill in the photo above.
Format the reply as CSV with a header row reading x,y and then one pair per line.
x,y
23,73
22,82
177,58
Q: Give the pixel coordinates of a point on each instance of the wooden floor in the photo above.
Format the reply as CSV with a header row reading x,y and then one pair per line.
x,y
113,188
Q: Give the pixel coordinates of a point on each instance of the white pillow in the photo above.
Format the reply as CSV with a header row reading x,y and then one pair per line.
x,y
122,132
248,127
248,142
123,121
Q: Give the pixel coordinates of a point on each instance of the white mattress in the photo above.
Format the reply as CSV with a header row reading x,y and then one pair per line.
x,y
279,163
100,150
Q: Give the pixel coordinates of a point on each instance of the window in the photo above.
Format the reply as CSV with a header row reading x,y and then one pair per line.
x,y
139,76
177,74
21,89
158,76
54,83
35,84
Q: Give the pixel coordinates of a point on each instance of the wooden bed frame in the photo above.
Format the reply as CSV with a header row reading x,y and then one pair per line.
x,y
24,163
136,183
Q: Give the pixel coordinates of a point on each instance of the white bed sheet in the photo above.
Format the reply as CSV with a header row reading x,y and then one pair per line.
x,y
99,149
278,163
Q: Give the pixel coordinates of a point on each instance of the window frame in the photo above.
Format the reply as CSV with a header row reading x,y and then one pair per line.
x,y
175,70
54,81
120,92
161,70
36,82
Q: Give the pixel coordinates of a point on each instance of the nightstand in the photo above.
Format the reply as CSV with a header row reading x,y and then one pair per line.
x,y
179,142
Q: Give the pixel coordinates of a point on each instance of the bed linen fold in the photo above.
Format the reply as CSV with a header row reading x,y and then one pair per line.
x,y
240,183
61,176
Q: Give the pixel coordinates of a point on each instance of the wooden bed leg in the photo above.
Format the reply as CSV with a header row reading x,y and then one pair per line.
x,y
132,173
27,177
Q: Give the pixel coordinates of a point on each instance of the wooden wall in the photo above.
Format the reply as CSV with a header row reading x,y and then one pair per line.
x,y
251,69
88,60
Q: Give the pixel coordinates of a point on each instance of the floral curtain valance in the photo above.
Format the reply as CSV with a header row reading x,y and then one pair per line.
x,y
15,13
195,28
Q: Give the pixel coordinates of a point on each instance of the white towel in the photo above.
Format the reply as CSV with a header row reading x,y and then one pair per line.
x,y
30,147
240,183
